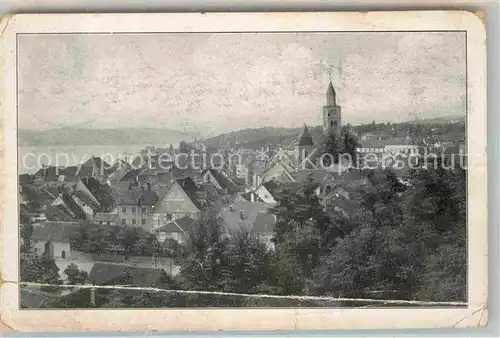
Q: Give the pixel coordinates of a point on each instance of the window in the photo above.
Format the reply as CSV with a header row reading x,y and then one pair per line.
x,y
143,210
143,221
133,210
133,222
124,221
124,210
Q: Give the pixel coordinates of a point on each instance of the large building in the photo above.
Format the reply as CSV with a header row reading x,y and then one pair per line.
x,y
332,115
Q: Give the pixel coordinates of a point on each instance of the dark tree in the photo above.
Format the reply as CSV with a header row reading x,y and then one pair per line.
x,y
206,265
75,275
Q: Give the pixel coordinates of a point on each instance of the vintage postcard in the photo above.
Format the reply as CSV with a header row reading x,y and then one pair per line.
x,y
231,171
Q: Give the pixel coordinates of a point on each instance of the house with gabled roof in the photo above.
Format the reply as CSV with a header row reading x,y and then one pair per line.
x,y
300,155
221,180
279,171
135,205
183,198
119,169
88,205
252,217
53,239
177,229
267,192
91,168
58,213
97,167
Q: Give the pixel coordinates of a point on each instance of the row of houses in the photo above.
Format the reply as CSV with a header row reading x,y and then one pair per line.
x,y
151,199
169,202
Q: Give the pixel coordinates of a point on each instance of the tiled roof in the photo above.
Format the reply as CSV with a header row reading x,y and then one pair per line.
x,y
74,208
211,192
51,192
69,173
183,224
225,182
58,213
190,187
108,274
87,200
129,197
130,176
272,187
55,231
248,197
148,197
249,211
48,172
316,175
96,162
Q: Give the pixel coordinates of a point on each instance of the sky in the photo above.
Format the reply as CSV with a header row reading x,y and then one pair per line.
x,y
215,83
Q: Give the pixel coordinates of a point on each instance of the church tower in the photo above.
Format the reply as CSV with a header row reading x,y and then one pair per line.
x,y
332,117
304,148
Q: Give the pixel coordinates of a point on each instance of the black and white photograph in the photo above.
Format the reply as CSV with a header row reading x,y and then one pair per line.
x,y
244,169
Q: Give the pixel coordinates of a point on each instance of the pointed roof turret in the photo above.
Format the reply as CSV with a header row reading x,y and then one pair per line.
x,y
330,95
305,138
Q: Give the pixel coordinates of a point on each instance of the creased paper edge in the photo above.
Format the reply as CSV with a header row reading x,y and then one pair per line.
x,y
4,23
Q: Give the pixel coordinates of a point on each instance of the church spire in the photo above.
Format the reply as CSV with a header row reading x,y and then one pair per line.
x,y
332,117
330,95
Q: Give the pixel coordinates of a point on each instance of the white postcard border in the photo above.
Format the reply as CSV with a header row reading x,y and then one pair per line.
x,y
192,319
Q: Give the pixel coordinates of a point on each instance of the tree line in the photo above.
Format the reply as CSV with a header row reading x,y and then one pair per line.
x,y
404,241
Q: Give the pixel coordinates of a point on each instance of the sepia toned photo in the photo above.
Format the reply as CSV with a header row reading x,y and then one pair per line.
x,y
268,169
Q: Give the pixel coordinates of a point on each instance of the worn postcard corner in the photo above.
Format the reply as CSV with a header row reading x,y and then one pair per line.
x,y
4,22
243,171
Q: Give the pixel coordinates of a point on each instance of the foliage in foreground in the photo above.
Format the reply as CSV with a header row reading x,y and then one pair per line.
x,y
405,241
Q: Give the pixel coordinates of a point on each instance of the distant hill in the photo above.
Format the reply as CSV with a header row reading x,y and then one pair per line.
x,y
442,119
118,136
255,138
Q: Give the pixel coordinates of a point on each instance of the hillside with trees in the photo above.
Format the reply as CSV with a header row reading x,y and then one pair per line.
x,y
256,138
